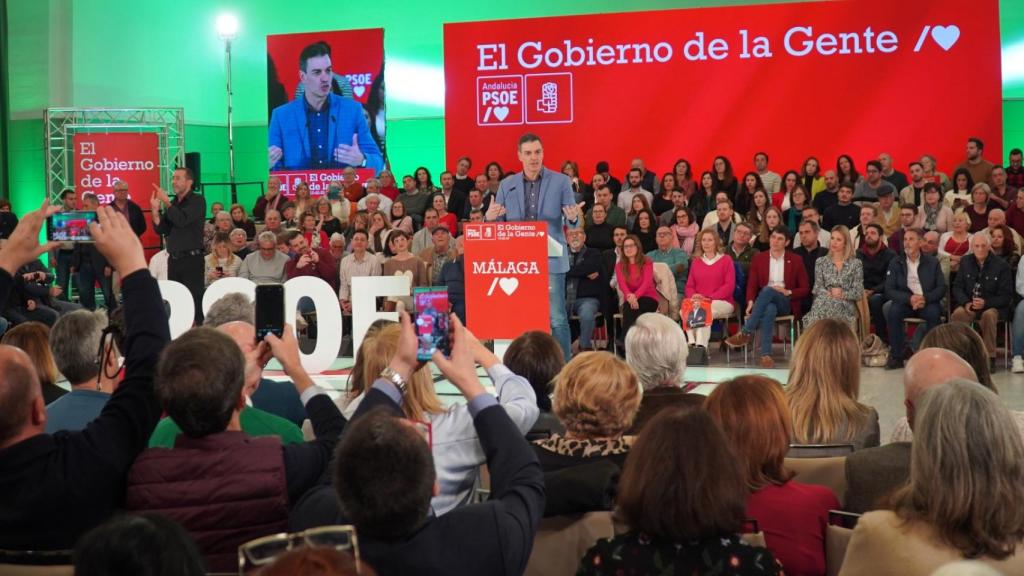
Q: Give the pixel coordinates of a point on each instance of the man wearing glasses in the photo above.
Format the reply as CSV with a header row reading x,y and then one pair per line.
x,y
266,265
869,188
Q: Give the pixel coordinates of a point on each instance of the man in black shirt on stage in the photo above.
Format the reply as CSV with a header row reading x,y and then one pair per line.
x,y
181,224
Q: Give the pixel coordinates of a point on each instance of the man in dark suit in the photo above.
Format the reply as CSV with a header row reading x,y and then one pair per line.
x,y
586,286
58,487
389,505
873,473
538,194
809,251
915,287
775,286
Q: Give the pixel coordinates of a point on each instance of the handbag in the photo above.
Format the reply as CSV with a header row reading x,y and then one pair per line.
x,y
698,356
874,353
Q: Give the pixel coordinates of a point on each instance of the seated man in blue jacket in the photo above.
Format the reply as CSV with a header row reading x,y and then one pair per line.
x,y
914,286
384,478
320,129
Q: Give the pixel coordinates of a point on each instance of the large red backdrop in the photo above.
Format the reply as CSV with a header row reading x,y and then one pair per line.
x,y
822,78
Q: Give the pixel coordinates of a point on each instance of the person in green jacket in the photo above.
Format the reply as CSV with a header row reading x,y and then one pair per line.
x,y
255,422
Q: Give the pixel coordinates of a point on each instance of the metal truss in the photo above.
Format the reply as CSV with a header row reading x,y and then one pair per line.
x,y
62,124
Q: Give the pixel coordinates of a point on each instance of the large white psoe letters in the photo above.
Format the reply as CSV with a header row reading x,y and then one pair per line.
x,y
365,291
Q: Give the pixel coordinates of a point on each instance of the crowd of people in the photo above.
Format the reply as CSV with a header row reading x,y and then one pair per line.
x,y
182,457
179,457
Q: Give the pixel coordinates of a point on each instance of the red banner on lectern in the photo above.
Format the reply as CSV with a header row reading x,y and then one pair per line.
x,y
801,79
506,279
104,158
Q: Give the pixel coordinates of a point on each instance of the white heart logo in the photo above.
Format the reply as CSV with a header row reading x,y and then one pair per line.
x,y
508,285
501,112
359,90
946,36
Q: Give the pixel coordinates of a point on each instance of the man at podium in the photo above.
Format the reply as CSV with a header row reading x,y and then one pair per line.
x,y
539,194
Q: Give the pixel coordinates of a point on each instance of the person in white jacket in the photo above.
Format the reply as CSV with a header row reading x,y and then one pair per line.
x,y
456,449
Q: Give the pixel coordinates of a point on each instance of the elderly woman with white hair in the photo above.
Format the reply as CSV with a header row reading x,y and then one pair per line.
x,y
656,351
965,436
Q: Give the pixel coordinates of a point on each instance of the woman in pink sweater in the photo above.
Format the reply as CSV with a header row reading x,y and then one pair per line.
x,y
635,275
712,277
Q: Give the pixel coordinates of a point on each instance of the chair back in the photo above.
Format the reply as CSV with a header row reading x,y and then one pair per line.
x,y
819,450
837,539
561,542
829,472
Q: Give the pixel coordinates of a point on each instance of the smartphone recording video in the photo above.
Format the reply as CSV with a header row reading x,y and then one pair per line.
x,y
431,321
70,226
269,310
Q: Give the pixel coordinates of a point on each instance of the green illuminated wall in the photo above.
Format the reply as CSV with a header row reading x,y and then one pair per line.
x,y
129,53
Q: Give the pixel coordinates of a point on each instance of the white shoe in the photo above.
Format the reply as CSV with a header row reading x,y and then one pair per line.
x,y
1018,365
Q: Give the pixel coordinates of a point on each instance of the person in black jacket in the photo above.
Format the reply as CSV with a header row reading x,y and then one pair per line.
x,y
384,478
915,286
982,291
875,257
59,486
585,286
809,251
34,298
844,212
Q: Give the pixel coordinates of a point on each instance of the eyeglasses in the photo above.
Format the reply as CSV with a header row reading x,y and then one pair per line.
x,y
265,550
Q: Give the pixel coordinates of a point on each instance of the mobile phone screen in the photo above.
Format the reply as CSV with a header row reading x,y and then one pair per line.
x,y
70,226
431,321
269,310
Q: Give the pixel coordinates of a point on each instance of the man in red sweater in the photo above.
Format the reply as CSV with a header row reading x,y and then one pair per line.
x,y
776,284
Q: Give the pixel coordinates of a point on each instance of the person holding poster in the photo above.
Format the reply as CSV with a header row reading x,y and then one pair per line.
x,y
321,129
537,193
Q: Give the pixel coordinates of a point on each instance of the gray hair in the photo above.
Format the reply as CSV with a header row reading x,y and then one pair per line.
x,y
656,351
337,236
232,307
75,342
267,236
237,231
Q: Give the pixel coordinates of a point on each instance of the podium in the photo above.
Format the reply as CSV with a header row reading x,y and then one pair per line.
x,y
506,269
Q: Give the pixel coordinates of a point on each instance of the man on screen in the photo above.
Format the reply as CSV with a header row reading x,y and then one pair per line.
x,y
539,194
320,130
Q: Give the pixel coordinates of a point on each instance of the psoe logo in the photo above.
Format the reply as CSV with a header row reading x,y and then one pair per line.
x,y
549,98
499,100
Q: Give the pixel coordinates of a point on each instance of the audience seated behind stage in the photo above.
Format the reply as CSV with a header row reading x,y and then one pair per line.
x,y
682,498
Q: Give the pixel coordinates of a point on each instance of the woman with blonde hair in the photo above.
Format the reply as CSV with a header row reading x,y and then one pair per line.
x,y
712,277
753,414
957,241
456,449
823,386
34,339
964,499
221,262
596,399
838,281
